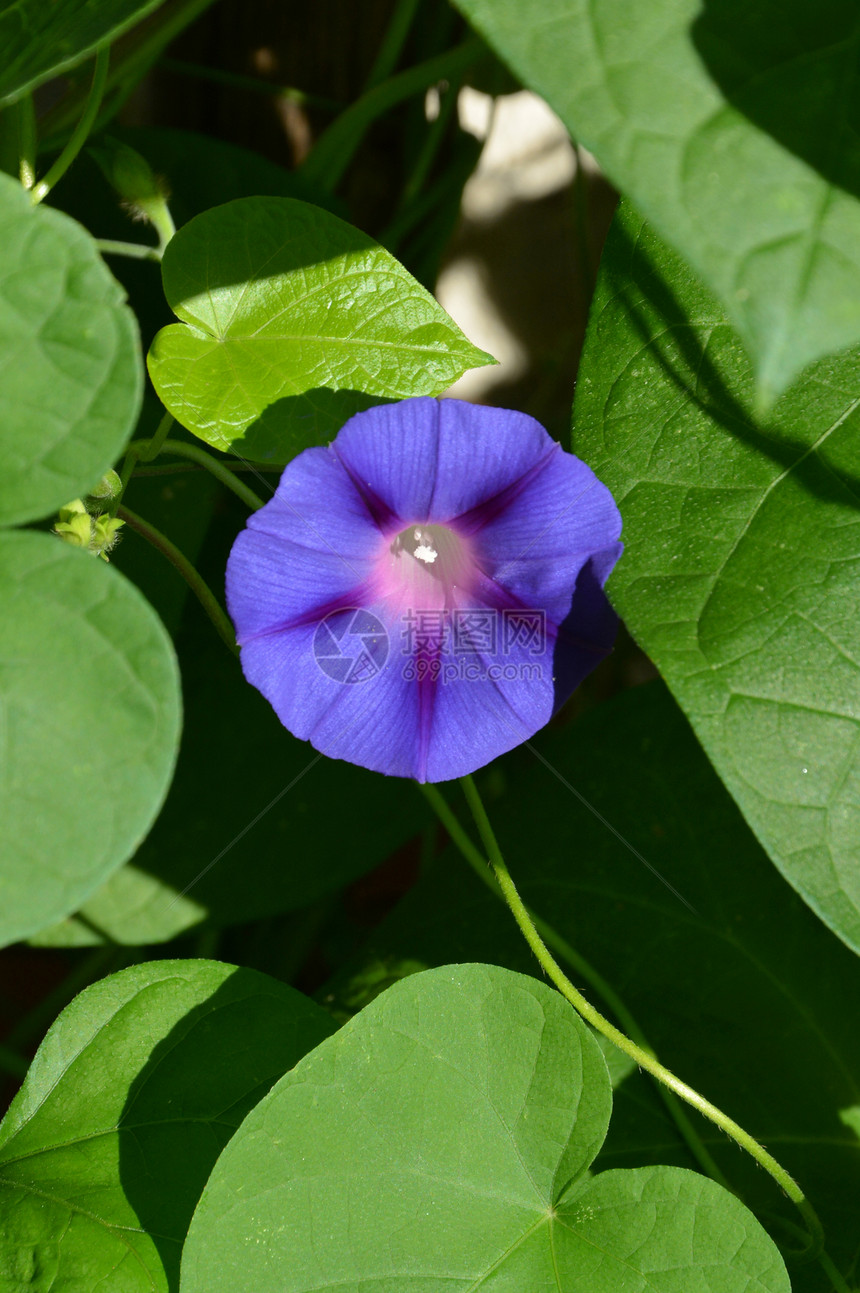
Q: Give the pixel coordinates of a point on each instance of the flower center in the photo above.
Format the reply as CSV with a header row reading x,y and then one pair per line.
x,y
424,566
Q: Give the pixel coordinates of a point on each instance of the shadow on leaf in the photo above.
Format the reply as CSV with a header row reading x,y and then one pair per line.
x,y
793,70
682,347
298,422
198,1084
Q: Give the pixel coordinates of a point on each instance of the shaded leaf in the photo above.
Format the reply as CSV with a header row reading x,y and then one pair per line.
x,y
39,40
91,714
133,1093
71,374
740,573
441,1140
292,320
733,128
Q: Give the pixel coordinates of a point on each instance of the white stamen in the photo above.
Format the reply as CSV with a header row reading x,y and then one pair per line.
x,y
424,549
427,563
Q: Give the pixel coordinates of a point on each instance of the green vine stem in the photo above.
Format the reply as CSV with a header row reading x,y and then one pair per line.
x,y
145,450
218,469
637,1053
154,447
392,42
413,205
837,1279
192,577
237,468
82,129
134,250
478,862
217,76
158,214
840,1284
334,149
141,449
129,463
138,50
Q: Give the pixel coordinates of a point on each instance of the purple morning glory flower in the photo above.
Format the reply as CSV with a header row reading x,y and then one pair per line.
x,y
422,595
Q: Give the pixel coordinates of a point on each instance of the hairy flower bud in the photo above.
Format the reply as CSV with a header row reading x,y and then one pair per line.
x,y
74,524
107,488
128,173
98,534
144,194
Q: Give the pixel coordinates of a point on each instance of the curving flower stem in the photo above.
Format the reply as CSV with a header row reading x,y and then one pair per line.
x,y
81,130
192,577
180,449
786,1182
146,450
478,862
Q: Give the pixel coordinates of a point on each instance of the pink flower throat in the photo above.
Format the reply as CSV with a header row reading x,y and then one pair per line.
x,y
427,567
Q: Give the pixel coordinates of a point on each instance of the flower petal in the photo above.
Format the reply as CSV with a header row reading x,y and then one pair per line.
x,y
371,722
491,701
432,727
310,548
476,718
431,460
537,545
588,632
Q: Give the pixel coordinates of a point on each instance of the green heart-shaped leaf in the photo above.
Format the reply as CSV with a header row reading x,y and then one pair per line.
x,y
733,980
441,1141
292,321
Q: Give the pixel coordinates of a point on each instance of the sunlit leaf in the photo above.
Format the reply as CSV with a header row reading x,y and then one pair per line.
x,y
740,573
441,1141
293,320
739,988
